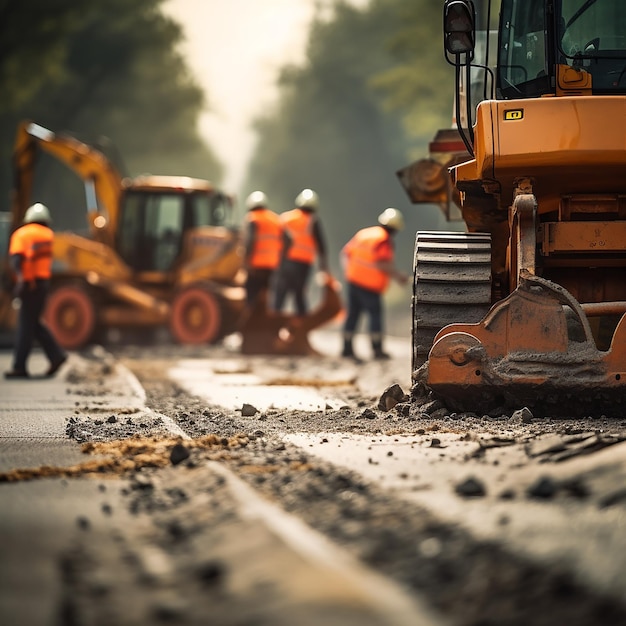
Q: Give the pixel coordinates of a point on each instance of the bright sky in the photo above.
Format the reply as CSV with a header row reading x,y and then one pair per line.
x,y
235,49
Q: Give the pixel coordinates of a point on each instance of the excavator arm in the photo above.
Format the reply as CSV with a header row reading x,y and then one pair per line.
x,y
103,183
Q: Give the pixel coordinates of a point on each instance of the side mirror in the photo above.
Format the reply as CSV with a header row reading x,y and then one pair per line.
x,y
459,26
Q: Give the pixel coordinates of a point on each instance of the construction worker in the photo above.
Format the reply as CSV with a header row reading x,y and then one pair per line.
x,y
30,252
263,243
368,264
304,241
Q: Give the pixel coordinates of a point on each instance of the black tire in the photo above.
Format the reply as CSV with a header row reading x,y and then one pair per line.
x,y
451,284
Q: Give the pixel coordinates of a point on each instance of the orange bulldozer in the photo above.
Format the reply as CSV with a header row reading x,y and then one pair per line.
x,y
527,306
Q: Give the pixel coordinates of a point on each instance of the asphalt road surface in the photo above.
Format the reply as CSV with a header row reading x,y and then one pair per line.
x,y
163,484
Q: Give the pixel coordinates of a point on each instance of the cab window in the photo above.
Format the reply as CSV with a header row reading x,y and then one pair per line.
x,y
522,60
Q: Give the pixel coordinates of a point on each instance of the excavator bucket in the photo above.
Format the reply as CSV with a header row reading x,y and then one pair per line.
x,y
269,332
533,349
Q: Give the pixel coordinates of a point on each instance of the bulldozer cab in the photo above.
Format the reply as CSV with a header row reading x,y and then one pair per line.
x,y
540,41
545,47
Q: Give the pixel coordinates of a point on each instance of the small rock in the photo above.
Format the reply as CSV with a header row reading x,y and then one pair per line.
x,y
432,406
403,409
83,523
176,530
544,488
368,414
247,410
507,494
211,573
576,487
391,396
179,453
471,488
112,419
430,547
142,483
524,415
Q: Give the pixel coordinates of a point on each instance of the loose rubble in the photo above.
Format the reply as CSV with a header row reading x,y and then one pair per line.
x,y
468,580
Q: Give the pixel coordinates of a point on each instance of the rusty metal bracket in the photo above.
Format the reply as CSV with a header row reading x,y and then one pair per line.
x,y
524,353
523,231
269,332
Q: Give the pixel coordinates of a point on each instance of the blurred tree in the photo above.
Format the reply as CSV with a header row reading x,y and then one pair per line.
x,y
419,85
110,73
365,102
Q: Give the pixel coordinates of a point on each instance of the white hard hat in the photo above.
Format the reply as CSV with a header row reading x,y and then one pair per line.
x,y
37,213
307,199
255,200
391,218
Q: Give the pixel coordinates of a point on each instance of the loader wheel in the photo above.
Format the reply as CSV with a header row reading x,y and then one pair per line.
x,y
70,315
196,316
451,284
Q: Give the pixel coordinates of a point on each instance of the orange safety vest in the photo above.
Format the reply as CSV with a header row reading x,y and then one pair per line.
x,y
268,242
34,243
362,253
299,225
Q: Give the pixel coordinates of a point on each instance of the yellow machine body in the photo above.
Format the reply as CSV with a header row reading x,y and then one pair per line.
x,y
527,306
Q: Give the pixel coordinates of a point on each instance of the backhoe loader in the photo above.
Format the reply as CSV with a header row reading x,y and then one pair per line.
x,y
161,251
527,306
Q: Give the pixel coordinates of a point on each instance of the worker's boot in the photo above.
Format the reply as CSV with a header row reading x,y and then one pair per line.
x,y
379,353
348,350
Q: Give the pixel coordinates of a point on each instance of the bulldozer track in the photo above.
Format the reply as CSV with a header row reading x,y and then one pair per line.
x,y
451,283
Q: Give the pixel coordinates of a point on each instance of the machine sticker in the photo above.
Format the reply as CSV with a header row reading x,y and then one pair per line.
x,y
514,114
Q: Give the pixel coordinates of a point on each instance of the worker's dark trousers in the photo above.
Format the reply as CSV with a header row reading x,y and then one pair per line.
x,y
291,278
30,327
364,301
258,281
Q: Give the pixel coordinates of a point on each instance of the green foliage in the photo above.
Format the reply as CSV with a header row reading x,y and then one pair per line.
x,y
420,83
109,72
364,104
